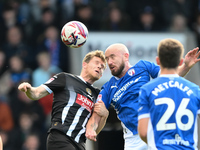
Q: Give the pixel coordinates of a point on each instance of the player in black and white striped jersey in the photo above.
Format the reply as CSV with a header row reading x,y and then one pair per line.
x,y
73,103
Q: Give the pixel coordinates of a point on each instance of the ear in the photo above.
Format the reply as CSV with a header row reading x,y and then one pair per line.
x,y
84,64
157,60
126,56
181,62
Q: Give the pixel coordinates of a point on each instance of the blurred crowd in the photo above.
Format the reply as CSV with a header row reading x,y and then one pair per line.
x,y
31,50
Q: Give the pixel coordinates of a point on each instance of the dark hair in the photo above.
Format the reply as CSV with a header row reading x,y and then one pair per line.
x,y
170,52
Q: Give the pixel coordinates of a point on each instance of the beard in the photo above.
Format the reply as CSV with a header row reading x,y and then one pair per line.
x,y
119,71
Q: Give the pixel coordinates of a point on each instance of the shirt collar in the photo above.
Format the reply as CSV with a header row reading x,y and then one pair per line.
x,y
169,75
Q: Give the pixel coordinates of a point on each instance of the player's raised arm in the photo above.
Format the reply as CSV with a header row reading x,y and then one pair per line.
x,y
191,58
97,121
101,110
33,93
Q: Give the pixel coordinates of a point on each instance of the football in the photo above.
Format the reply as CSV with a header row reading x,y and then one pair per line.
x,y
74,34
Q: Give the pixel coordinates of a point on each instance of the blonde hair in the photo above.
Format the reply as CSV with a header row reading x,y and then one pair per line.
x,y
96,53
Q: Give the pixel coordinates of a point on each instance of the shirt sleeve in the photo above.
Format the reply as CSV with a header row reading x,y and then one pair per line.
x,y
104,97
56,83
143,111
152,68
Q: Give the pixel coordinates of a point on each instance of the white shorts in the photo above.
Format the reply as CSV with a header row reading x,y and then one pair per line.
x,y
133,142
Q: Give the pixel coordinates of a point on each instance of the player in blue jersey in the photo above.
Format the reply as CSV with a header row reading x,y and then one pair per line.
x,y
122,91
169,104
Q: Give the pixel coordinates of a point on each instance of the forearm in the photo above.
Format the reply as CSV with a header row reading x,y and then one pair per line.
x,y
92,126
183,70
142,128
101,123
93,122
31,93
36,93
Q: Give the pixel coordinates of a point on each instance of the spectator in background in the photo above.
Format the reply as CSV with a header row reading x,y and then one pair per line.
x,y
16,74
178,24
2,62
6,126
68,9
185,7
38,28
85,15
6,118
147,21
25,129
20,103
134,9
9,20
15,45
54,46
7,141
115,20
196,28
32,142
29,117
44,72
37,7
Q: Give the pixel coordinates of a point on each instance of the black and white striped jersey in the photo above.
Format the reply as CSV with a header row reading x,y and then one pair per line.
x,y
72,104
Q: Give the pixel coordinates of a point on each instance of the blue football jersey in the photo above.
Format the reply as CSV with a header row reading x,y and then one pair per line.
x,y
172,105
122,93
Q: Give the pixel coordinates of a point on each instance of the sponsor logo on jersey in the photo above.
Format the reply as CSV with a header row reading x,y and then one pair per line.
x,y
114,86
85,102
50,80
136,80
121,91
89,91
176,141
131,72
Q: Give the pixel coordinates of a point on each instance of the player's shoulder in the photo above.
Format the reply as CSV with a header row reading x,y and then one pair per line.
x,y
152,83
65,74
144,63
189,83
110,82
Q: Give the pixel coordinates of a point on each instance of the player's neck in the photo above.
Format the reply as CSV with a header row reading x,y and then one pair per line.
x,y
87,79
168,71
127,67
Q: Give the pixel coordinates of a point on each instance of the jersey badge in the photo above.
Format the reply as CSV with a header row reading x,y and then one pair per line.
x,y
89,91
56,123
131,72
99,98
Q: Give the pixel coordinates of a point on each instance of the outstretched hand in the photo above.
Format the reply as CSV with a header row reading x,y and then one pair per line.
x,y
191,58
24,87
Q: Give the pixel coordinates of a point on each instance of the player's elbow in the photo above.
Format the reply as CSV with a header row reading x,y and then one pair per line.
x,y
143,136
142,133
